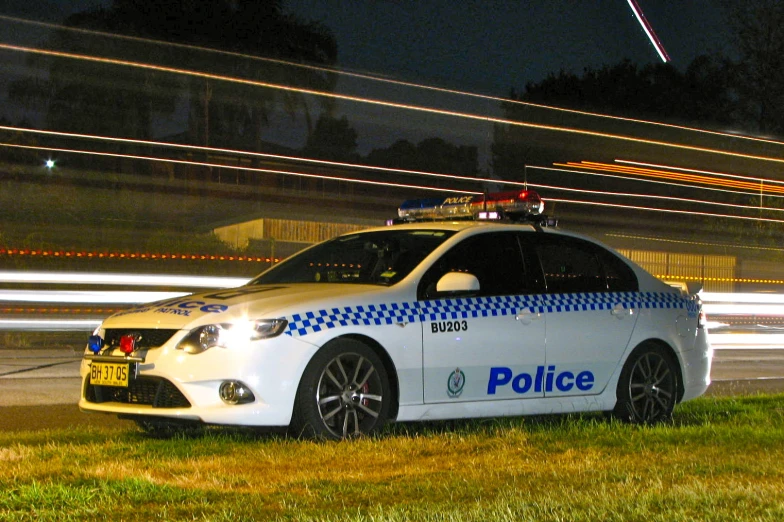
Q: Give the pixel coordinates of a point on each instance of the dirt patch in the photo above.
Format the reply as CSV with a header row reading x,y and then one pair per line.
x,y
53,417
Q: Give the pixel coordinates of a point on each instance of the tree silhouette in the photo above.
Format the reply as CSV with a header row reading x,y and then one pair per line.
x,y
332,139
429,155
758,28
656,91
108,99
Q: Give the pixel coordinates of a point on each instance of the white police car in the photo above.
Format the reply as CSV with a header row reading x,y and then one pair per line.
x,y
419,321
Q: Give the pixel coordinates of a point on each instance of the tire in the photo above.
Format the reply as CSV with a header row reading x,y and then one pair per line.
x,y
648,387
344,393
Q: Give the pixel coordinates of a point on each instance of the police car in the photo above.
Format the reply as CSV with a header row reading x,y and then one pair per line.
x,y
448,314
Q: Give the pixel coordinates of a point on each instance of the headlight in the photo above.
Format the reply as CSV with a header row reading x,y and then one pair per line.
x,y
226,335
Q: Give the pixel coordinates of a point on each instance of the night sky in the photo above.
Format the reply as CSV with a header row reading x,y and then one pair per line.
x,y
490,46
486,46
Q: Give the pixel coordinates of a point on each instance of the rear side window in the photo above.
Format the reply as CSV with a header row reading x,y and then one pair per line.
x,y
571,265
620,278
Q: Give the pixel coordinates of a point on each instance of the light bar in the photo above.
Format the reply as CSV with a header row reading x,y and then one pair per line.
x,y
495,204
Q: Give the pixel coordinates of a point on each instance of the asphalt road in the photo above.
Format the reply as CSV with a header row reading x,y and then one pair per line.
x,y
39,389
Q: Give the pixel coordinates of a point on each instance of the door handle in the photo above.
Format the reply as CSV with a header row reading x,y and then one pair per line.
x,y
621,311
527,316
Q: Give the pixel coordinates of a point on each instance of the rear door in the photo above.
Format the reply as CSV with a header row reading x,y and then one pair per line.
x,y
590,313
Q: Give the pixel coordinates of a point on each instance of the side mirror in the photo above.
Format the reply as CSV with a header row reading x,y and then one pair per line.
x,y
457,282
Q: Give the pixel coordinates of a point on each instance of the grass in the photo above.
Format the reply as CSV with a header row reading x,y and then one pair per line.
x,y
721,459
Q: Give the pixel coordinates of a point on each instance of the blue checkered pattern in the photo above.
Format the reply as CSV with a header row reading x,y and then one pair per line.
x,y
472,307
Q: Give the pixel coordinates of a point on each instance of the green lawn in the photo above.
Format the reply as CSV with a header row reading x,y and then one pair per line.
x,y
721,459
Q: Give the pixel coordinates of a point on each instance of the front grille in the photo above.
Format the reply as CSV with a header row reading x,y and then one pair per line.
x,y
147,337
151,391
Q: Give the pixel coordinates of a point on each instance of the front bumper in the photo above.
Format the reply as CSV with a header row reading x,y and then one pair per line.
x,y
172,384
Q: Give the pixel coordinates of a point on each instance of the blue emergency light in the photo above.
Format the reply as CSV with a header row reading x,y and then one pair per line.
x,y
95,343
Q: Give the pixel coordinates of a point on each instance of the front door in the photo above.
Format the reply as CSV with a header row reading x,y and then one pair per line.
x,y
488,345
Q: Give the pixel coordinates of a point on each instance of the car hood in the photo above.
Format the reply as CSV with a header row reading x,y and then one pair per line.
x,y
245,302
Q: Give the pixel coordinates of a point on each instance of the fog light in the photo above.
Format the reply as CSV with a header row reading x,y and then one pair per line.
x,y
235,392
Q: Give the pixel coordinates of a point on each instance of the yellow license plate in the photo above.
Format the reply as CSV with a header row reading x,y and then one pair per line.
x,y
108,374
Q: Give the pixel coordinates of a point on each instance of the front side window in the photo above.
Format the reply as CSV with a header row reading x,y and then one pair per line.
x,y
494,258
377,258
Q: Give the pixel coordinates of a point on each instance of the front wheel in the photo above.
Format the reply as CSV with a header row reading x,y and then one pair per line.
x,y
648,387
344,393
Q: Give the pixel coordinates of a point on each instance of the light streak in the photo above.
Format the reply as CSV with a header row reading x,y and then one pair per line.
x,y
237,152
743,309
646,26
698,243
664,210
645,180
251,169
418,187
55,309
697,171
390,81
752,188
220,52
101,278
132,256
408,186
85,296
728,297
719,279
49,325
747,341
293,158
653,196
381,103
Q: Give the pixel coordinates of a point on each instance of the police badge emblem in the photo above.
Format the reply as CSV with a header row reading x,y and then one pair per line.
x,y
455,383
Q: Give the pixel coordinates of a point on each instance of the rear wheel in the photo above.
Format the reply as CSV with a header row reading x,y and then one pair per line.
x,y
648,387
344,393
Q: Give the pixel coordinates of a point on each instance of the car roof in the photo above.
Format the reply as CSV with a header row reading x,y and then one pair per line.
x,y
493,225
490,226
455,226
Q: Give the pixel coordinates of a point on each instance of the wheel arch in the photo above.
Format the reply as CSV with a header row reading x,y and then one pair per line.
x,y
672,354
389,366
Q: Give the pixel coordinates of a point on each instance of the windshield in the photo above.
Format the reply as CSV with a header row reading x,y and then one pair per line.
x,y
376,258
